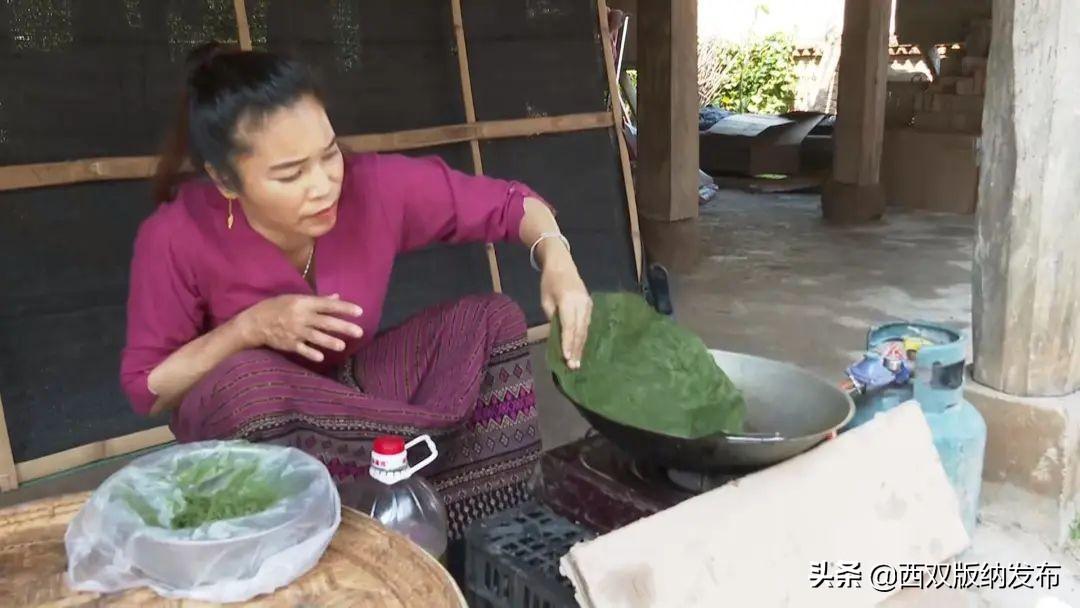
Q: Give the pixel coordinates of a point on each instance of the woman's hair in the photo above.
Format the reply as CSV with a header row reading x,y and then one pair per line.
x,y
224,86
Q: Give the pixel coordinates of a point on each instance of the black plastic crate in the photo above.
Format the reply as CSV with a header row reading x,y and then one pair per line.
x,y
512,559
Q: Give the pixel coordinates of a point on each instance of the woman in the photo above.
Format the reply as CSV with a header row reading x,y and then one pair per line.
x,y
256,292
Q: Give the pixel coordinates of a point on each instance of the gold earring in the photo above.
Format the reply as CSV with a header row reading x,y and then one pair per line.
x,y
229,222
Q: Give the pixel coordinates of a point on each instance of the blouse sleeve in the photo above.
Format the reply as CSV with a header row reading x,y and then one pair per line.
x,y
428,202
164,310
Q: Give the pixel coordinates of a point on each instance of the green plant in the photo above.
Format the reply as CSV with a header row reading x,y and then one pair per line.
x,y
641,369
758,76
206,489
1074,531
222,488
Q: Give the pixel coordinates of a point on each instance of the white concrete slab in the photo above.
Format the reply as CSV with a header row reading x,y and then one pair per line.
x,y
876,495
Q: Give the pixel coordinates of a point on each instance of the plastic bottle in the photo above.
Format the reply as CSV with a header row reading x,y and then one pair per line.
x,y
404,502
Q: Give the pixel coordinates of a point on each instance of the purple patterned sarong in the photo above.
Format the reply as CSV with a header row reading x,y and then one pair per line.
x,y
459,372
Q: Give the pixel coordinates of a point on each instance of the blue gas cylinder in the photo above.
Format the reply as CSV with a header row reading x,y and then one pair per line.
x,y
936,357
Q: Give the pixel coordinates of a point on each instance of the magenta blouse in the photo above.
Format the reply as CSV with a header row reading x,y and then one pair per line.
x,y
190,274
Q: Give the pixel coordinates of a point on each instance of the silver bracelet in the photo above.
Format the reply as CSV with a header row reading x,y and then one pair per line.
x,y
545,235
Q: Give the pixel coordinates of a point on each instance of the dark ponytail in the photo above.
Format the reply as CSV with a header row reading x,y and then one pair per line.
x,y
223,86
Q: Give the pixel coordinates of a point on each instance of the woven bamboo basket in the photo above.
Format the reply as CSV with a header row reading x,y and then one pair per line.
x,y
365,565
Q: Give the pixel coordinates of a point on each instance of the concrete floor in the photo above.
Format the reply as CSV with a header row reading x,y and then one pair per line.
x,y
778,283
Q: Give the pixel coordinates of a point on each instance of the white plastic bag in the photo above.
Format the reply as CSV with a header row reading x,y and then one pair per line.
x,y
123,537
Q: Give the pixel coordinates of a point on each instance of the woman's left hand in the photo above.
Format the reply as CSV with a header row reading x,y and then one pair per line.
x,y
562,292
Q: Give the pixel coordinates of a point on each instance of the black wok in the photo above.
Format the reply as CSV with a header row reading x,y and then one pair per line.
x,y
789,411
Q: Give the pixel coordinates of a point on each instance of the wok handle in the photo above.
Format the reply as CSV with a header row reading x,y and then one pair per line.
x,y
848,386
754,439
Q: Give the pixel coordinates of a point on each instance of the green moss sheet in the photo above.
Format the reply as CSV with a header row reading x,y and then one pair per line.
x,y
641,369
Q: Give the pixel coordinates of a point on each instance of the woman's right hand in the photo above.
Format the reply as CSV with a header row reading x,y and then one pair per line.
x,y
300,324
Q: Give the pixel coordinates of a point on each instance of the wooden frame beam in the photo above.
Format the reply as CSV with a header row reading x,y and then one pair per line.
x,y
92,452
492,129
616,116
539,333
470,118
9,477
18,177
243,31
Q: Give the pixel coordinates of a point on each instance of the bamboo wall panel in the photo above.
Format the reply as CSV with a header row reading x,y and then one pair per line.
x,y
91,79
396,78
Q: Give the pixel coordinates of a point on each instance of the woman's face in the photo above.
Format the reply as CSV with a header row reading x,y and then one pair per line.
x,y
291,174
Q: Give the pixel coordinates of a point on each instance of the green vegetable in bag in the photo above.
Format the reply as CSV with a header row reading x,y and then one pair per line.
x,y
641,369
204,489
236,489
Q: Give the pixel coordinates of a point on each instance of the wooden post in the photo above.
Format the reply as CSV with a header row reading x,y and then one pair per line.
x,y
1026,303
668,129
854,194
668,110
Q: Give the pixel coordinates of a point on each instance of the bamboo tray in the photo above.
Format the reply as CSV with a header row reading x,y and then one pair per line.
x,y
365,565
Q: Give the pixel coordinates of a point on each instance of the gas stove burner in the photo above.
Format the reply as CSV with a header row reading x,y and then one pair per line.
x,y
689,481
647,472
594,483
616,466
698,482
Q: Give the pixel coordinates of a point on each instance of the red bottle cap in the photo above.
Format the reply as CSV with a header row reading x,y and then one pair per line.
x,y
388,445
